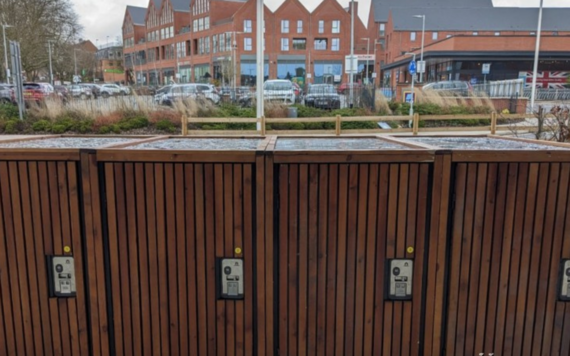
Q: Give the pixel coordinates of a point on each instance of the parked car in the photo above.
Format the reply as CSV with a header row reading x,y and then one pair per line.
x,y
172,93
279,90
344,88
61,89
322,96
95,89
125,90
6,93
39,92
80,91
452,86
108,90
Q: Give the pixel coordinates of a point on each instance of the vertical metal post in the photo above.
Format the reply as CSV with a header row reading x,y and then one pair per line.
x,y
6,53
422,49
260,62
536,51
75,59
50,67
234,43
367,64
351,74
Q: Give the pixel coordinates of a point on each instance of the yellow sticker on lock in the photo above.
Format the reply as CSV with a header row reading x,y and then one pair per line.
x,y
410,249
66,249
237,250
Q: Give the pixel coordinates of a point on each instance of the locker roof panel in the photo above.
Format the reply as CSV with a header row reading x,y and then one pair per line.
x,y
336,144
483,144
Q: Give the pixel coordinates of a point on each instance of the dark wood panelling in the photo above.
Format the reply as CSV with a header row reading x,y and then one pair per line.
x,y
40,209
338,223
167,224
507,238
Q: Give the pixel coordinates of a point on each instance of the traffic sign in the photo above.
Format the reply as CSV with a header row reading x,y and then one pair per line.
x,y
421,66
76,79
486,68
412,67
350,64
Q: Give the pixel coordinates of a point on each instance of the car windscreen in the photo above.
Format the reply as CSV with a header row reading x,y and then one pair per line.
x,y
278,86
321,89
163,90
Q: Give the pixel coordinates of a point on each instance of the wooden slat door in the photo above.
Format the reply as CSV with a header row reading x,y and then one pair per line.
x,y
337,225
40,209
509,232
167,223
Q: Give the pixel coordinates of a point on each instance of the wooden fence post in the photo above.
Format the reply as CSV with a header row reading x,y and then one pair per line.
x,y
184,125
416,124
493,123
337,125
263,126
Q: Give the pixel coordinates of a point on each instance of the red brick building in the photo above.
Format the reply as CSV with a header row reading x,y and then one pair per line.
x,y
215,41
461,35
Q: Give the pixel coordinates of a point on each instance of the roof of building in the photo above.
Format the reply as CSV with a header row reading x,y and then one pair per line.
x,y
181,5
137,14
467,15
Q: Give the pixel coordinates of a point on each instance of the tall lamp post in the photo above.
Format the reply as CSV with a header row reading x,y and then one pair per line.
x,y
260,61
4,26
50,67
413,80
536,51
351,75
367,55
234,64
422,69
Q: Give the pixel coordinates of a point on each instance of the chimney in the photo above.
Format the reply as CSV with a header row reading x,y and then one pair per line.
x,y
355,8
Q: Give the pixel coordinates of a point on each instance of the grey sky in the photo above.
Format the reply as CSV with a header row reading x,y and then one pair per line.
x,y
103,19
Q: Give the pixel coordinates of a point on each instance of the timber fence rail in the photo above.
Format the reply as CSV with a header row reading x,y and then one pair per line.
x,y
414,123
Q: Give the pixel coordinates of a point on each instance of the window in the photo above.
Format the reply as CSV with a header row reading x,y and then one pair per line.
x,y
497,33
321,26
171,31
214,44
284,26
555,33
434,36
447,36
247,44
162,33
336,26
382,43
207,44
284,44
412,36
222,42
206,23
382,31
247,27
300,26
533,33
335,45
320,44
299,43
475,33
228,42
195,26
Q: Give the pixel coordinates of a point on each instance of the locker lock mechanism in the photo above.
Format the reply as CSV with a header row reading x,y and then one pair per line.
x,y
399,277
230,278
61,276
564,281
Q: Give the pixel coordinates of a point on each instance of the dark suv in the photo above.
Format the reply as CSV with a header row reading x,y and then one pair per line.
x,y
322,96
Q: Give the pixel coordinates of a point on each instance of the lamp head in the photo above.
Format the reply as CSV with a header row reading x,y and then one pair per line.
x,y
419,16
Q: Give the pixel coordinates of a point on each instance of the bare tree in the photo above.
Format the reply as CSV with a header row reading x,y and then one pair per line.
x,y
34,23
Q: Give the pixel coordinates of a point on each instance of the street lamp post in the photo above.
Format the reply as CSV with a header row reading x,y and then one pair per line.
x,y
351,75
50,67
260,61
423,17
413,80
536,51
4,26
367,55
75,60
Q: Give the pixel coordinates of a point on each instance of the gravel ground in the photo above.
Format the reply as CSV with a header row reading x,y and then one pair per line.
x,y
480,143
335,144
67,142
206,144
